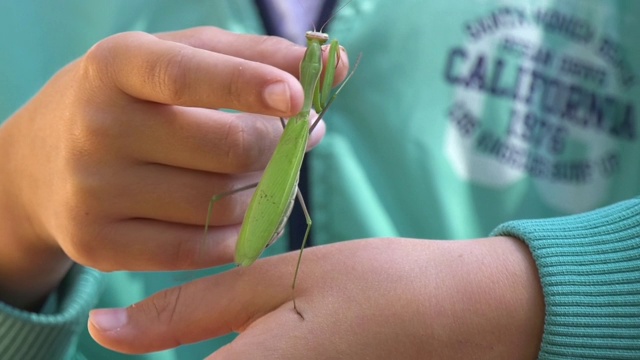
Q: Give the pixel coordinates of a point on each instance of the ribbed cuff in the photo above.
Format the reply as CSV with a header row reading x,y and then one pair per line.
x,y
27,335
589,266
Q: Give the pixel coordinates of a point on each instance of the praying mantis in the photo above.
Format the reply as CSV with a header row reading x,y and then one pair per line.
x,y
274,195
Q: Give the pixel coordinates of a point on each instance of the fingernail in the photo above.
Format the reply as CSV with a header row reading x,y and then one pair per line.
x,y
108,319
277,96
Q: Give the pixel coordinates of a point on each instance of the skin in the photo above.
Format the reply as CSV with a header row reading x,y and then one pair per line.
x,y
364,299
93,163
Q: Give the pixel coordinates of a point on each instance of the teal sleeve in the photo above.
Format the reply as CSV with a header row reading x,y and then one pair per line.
x,y
589,266
52,333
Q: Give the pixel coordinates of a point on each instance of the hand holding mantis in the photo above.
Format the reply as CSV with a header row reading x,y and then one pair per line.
x,y
112,163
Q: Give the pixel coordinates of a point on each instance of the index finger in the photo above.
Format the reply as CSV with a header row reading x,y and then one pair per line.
x,y
148,68
271,50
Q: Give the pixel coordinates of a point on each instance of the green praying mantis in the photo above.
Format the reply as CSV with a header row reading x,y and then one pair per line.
x,y
275,194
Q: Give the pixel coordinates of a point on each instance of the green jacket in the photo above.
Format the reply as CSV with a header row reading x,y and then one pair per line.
x,y
463,119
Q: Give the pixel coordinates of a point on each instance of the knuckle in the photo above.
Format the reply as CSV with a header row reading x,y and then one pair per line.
x,y
157,314
92,123
97,57
163,306
273,42
234,89
189,254
236,206
169,76
101,57
250,141
166,72
238,151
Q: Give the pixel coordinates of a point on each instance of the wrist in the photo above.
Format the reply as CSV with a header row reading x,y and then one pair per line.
x,y
488,298
28,275
30,267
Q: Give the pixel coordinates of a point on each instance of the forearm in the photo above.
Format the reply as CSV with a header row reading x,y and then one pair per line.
x,y
490,303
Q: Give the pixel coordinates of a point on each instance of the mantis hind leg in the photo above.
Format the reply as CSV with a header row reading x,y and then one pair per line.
x,y
213,200
304,242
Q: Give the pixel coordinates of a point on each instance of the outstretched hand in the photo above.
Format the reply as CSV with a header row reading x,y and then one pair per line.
x,y
365,299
